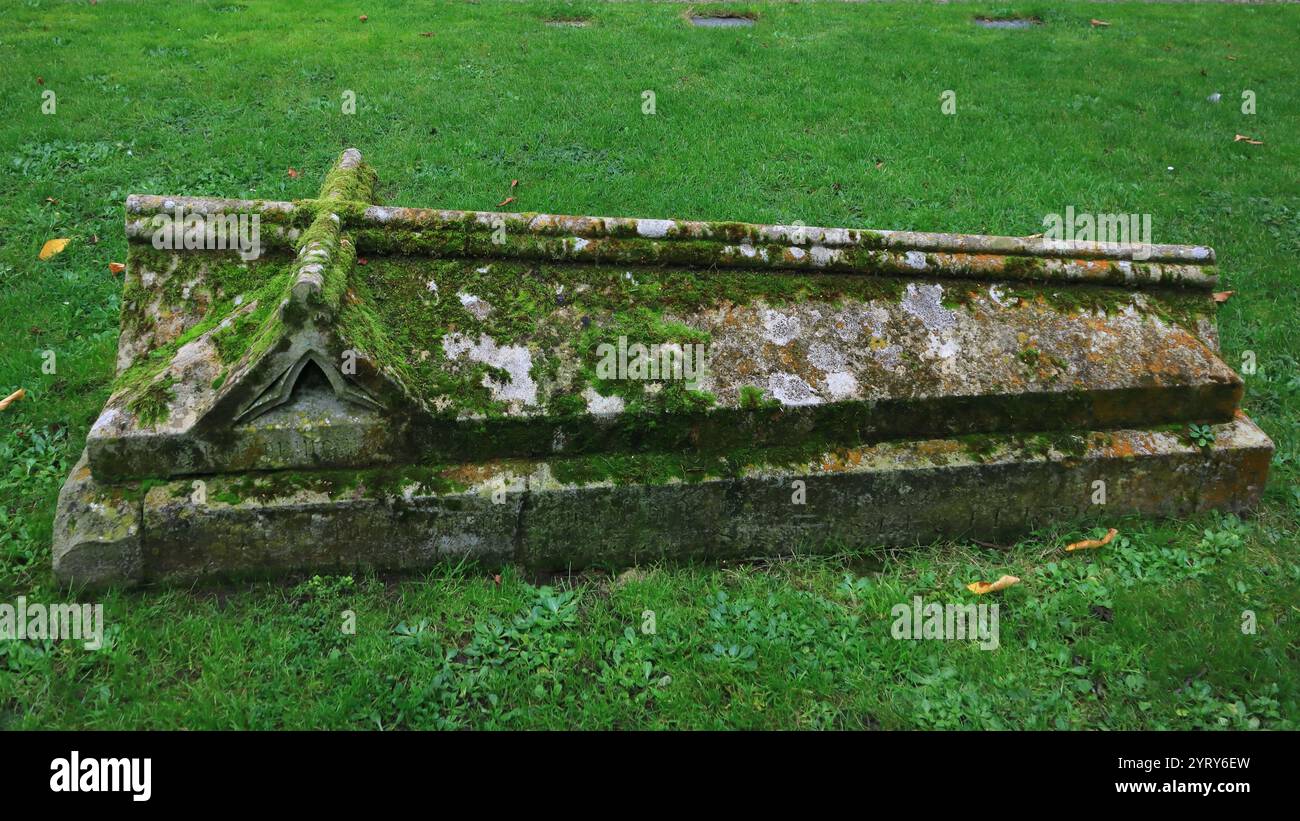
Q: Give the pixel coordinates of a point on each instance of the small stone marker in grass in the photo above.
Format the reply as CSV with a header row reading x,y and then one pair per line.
x,y
1007,22
721,20
561,391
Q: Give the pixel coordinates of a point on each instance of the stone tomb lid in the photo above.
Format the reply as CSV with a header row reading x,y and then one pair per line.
x,y
365,335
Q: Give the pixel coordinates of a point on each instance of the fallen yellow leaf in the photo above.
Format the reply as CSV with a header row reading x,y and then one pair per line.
x,y
1242,138
980,588
1089,544
12,398
53,246
1223,296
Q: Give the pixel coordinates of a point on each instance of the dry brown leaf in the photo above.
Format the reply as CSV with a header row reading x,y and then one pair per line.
x,y
505,201
12,398
116,268
293,173
980,588
53,246
1223,296
1095,22
363,18
1242,138
1090,544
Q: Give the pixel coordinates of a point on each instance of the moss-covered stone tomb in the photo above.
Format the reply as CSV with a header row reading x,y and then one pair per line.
x,y
389,387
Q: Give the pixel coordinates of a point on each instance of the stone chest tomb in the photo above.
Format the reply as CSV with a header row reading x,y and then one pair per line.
x,y
390,387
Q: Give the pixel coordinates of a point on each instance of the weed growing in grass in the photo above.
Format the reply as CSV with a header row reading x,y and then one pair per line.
x,y
34,463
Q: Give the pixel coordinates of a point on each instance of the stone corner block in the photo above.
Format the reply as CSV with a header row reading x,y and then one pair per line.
x,y
96,533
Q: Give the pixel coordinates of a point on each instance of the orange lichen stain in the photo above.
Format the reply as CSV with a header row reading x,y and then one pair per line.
x,y
1119,449
1145,443
933,448
983,263
472,473
838,461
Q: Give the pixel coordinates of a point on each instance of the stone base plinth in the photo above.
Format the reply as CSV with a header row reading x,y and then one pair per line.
x,y
620,510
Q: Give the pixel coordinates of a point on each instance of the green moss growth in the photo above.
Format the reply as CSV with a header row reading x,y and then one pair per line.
x,y
152,405
754,398
980,446
324,235
1024,267
382,482
218,281
350,184
402,308
253,332
567,404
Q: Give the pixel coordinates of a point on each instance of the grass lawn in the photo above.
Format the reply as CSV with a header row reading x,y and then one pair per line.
x,y
827,114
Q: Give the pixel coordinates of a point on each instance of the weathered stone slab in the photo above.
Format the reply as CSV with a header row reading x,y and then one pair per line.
x,y
263,524
555,513
851,368
561,348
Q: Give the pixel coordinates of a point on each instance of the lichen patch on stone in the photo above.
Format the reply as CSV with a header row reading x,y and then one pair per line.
x,y
791,390
841,385
598,405
515,360
779,328
653,229
477,306
925,303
